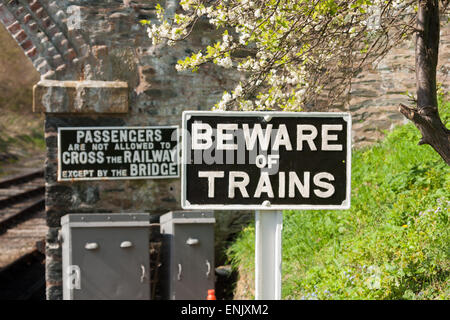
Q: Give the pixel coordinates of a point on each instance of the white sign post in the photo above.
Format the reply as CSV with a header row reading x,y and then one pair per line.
x,y
267,162
268,227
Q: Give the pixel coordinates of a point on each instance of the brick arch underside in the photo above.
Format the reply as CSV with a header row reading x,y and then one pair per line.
x,y
53,49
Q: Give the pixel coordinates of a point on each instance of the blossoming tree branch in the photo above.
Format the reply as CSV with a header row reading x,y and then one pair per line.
x,y
293,53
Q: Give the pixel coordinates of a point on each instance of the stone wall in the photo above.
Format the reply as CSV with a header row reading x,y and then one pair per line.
x,y
105,72
376,93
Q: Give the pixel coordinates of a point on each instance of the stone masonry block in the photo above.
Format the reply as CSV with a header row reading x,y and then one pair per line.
x,y
52,30
19,11
46,22
51,96
35,5
33,26
70,54
40,13
27,18
26,45
20,36
61,67
14,28
5,16
32,53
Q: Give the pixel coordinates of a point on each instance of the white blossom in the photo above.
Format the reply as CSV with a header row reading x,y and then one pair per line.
x,y
282,65
225,62
237,91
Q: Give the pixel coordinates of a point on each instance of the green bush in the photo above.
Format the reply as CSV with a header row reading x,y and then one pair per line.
x,y
393,243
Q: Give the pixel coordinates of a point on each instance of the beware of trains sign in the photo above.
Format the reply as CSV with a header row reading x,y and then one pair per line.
x,y
266,160
114,153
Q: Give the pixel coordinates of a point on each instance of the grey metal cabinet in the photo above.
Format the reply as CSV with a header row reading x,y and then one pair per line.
x,y
187,255
106,256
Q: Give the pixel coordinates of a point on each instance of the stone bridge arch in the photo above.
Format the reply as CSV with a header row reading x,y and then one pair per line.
x,y
39,29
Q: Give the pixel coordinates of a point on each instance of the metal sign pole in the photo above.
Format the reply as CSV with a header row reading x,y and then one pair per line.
x,y
269,225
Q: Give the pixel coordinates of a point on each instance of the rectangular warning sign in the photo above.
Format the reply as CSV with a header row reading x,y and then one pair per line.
x,y
95,153
266,160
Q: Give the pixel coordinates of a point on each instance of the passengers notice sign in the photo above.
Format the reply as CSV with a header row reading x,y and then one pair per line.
x,y
266,160
94,153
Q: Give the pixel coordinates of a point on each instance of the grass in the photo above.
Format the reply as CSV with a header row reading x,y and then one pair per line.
x,y
21,136
21,131
394,242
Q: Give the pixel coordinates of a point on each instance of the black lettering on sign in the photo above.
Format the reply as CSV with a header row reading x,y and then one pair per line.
x,y
266,160
113,153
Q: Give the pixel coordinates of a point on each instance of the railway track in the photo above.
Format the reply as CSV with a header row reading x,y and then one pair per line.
x,y
22,236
